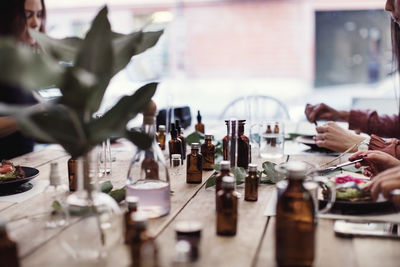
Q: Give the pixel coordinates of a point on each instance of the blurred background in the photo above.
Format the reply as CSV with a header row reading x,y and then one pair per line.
x,y
215,51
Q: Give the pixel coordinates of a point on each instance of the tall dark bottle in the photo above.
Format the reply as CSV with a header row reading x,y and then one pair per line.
x,y
8,249
181,137
208,153
244,149
227,207
225,142
251,184
194,165
175,144
295,221
199,127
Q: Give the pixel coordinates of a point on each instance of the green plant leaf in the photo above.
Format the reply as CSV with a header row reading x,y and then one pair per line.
x,y
216,167
113,122
141,140
96,56
269,171
211,181
21,67
239,173
106,187
60,49
195,137
124,47
118,194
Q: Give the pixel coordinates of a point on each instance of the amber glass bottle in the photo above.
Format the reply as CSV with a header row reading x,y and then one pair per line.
x,y
8,249
251,184
194,165
227,207
72,179
131,208
208,153
225,171
199,127
175,144
180,136
244,150
269,131
295,221
143,248
225,142
161,136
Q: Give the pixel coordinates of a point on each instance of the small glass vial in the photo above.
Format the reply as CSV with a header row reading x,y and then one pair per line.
x,y
251,184
295,220
199,127
131,209
8,249
176,165
55,194
180,136
208,153
227,208
143,248
72,179
175,144
244,150
161,137
190,231
225,171
194,165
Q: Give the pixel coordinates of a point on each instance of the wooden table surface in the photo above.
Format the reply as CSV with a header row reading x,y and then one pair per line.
x,y
253,244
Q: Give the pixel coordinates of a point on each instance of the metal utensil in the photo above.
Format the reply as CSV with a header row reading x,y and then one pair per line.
x,y
334,167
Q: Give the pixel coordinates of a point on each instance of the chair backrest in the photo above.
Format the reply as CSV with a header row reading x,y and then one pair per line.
x,y
255,108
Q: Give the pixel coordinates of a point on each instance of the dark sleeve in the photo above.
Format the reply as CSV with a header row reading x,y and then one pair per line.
x,y
369,122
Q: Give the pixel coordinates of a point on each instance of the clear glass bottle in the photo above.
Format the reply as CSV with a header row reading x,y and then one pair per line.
x,y
143,249
55,194
148,177
208,153
194,165
131,208
199,127
295,220
175,144
8,249
182,137
161,137
177,166
72,179
227,208
251,184
244,150
225,171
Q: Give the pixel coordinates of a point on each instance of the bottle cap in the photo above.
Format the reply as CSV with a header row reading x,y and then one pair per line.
x,y
195,146
208,136
296,169
55,178
225,165
132,202
176,156
161,127
252,167
228,182
188,228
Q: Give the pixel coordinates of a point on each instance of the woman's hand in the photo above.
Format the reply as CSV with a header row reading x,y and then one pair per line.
x,y
377,161
332,136
324,112
385,183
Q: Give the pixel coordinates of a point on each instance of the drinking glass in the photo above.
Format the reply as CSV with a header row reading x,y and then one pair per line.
x,y
271,138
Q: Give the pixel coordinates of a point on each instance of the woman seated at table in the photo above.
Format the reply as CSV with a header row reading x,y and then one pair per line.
x,y
15,16
332,136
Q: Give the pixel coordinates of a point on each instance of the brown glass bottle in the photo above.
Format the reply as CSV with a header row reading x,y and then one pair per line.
x,y
244,150
225,142
199,127
183,139
295,221
143,248
72,179
225,171
175,144
194,165
229,142
150,166
8,249
131,208
276,131
161,136
269,131
227,208
208,153
251,184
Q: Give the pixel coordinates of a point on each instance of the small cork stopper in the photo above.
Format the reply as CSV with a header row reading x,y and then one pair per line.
x,y
149,113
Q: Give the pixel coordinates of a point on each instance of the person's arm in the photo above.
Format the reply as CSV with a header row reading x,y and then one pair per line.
x,y
369,122
322,111
7,126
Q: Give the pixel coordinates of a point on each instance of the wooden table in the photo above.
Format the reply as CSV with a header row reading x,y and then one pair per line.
x,y
252,246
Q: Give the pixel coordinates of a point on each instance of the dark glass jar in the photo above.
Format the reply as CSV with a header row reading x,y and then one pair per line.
x,y
251,184
72,179
194,165
227,208
244,150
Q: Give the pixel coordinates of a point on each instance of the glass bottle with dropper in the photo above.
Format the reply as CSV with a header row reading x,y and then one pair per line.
x,y
175,144
199,127
182,137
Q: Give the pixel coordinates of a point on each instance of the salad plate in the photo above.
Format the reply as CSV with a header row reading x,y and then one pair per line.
x,y
12,184
308,140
